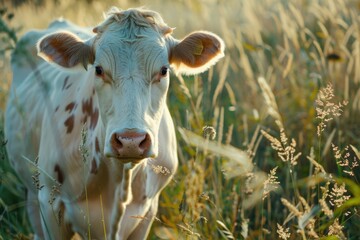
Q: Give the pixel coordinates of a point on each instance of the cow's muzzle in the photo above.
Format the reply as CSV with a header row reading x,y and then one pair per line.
x,y
131,144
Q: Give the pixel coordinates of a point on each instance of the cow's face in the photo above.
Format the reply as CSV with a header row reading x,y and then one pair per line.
x,y
130,59
131,77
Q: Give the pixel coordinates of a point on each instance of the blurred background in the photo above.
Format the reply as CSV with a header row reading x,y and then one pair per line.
x,y
287,94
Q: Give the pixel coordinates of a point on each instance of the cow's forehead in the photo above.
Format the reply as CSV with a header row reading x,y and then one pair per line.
x,y
124,55
132,25
133,41
114,41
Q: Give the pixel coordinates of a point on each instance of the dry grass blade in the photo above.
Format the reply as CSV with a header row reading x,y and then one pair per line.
x,y
225,232
313,180
305,218
270,101
165,233
188,231
288,65
221,82
356,151
328,142
318,166
239,162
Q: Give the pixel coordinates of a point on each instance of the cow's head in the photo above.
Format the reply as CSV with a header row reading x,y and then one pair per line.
x,y
130,56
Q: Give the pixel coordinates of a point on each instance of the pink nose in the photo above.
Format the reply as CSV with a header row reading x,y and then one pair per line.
x,y
131,144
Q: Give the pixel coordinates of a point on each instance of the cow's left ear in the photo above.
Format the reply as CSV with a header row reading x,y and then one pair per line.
x,y
196,52
65,49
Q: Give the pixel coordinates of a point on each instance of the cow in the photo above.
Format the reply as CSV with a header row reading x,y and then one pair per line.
x,y
87,126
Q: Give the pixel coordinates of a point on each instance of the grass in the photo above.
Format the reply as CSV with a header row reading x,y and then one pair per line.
x,y
286,95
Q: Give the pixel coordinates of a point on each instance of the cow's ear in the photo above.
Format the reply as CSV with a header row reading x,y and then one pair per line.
x,y
66,50
196,52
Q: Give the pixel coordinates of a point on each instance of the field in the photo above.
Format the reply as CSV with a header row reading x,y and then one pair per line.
x,y
279,114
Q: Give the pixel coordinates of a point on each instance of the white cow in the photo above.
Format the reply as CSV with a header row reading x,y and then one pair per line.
x,y
105,94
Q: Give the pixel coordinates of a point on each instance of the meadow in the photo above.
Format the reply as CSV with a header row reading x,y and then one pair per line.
x,y
268,139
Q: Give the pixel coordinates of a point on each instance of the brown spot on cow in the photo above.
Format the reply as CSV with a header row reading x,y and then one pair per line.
x,y
89,112
66,85
59,174
93,167
87,106
69,123
97,145
94,119
70,107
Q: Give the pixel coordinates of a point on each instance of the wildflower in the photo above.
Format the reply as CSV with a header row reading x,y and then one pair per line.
x,y
283,233
326,110
286,151
338,196
336,230
160,169
344,160
270,183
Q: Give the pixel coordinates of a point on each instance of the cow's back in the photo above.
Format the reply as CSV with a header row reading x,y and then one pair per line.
x,y
31,88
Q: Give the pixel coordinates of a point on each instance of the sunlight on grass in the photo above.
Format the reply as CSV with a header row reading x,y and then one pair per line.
x,y
284,104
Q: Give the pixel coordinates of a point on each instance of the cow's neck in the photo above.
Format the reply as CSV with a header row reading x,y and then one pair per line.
x,y
106,175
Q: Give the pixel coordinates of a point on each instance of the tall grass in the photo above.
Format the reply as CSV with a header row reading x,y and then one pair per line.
x,y
284,104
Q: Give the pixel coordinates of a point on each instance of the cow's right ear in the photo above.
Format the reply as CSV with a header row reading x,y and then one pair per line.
x,y
196,52
66,50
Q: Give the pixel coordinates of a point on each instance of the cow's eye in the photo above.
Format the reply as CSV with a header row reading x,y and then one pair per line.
x,y
164,71
99,71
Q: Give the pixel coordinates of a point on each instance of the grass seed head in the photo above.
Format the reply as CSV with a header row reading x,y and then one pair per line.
x,y
209,132
284,233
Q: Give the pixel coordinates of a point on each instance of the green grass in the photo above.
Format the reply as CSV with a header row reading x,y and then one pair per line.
x,y
299,47
14,222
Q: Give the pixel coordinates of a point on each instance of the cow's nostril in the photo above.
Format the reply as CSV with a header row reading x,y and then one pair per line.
x,y
118,141
145,144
